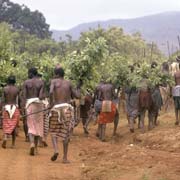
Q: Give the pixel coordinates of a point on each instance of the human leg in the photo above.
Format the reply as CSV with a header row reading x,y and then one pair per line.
x,y
32,144
116,122
177,116
4,141
84,120
103,130
65,150
13,137
131,124
142,116
55,146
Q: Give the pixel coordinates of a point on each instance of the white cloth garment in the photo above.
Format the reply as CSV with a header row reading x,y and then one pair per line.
x,y
32,100
57,108
10,109
176,91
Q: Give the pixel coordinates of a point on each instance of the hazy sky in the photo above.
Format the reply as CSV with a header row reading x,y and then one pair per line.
x,y
64,14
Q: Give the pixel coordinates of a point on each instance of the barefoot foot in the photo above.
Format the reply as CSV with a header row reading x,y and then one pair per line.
x,y
4,144
54,157
65,161
32,149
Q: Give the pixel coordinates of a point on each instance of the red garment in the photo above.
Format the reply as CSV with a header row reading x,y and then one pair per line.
x,y
145,99
10,124
107,117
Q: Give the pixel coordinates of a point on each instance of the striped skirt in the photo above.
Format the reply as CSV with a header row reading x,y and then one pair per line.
x,y
62,128
46,124
9,124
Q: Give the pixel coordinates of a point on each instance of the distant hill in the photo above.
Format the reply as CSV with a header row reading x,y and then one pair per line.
x,y
158,28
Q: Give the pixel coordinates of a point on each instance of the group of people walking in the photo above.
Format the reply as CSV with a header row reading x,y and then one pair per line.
x,y
58,114
32,101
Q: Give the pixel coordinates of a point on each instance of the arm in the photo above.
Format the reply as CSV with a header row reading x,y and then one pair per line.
x,y
42,92
24,95
3,99
51,93
18,98
94,96
75,92
114,96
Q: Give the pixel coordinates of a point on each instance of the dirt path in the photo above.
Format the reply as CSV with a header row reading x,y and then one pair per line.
x,y
154,155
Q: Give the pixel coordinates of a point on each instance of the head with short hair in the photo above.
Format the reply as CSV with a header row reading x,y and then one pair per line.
x,y
11,80
39,75
32,72
154,64
59,71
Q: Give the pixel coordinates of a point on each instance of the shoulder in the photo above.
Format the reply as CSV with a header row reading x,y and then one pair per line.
x,y
41,81
67,82
27,81
5,88
53,81
16,88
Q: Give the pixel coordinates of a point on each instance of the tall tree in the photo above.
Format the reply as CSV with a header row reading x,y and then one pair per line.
x,y
21,17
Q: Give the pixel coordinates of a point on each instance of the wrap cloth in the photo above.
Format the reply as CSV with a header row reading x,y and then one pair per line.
x,y
145,99
85,108
35,121
46,119
177,102
10,123
132,104
176,96
107,117
61,121
176,91
157,99
45,124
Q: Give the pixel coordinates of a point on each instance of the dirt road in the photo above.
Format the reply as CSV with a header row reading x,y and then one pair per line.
x,y
154,155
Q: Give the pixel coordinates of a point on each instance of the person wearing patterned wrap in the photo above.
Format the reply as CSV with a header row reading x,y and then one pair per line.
x,y
132,106
61,116
11,113
108,112
33,92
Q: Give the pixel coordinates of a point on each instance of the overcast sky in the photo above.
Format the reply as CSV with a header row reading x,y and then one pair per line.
x,y
64,14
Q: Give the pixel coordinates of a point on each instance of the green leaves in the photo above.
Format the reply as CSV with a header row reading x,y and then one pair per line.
x,y
153,76
98,54
83,65
20,17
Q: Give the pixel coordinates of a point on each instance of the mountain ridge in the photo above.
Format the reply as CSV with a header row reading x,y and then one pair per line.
x,y
158,28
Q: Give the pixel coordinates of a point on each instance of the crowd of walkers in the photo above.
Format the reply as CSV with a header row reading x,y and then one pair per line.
x,y
58,112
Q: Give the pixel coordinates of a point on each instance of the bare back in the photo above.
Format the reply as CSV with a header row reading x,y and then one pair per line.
x,y
61,91
33,88
97,91
177,77
10,94
107,92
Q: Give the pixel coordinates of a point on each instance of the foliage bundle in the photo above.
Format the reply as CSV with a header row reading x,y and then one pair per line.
x,y
98,54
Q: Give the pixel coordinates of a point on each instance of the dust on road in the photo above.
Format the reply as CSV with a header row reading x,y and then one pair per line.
x,y
154,155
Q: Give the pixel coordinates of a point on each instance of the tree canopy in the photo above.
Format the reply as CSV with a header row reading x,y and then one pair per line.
x,y
22,18
98,54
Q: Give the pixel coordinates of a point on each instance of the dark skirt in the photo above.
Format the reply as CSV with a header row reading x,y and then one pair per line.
x,y
177,102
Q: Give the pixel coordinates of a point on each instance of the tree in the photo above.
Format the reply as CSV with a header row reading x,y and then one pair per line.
x,y
20,17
